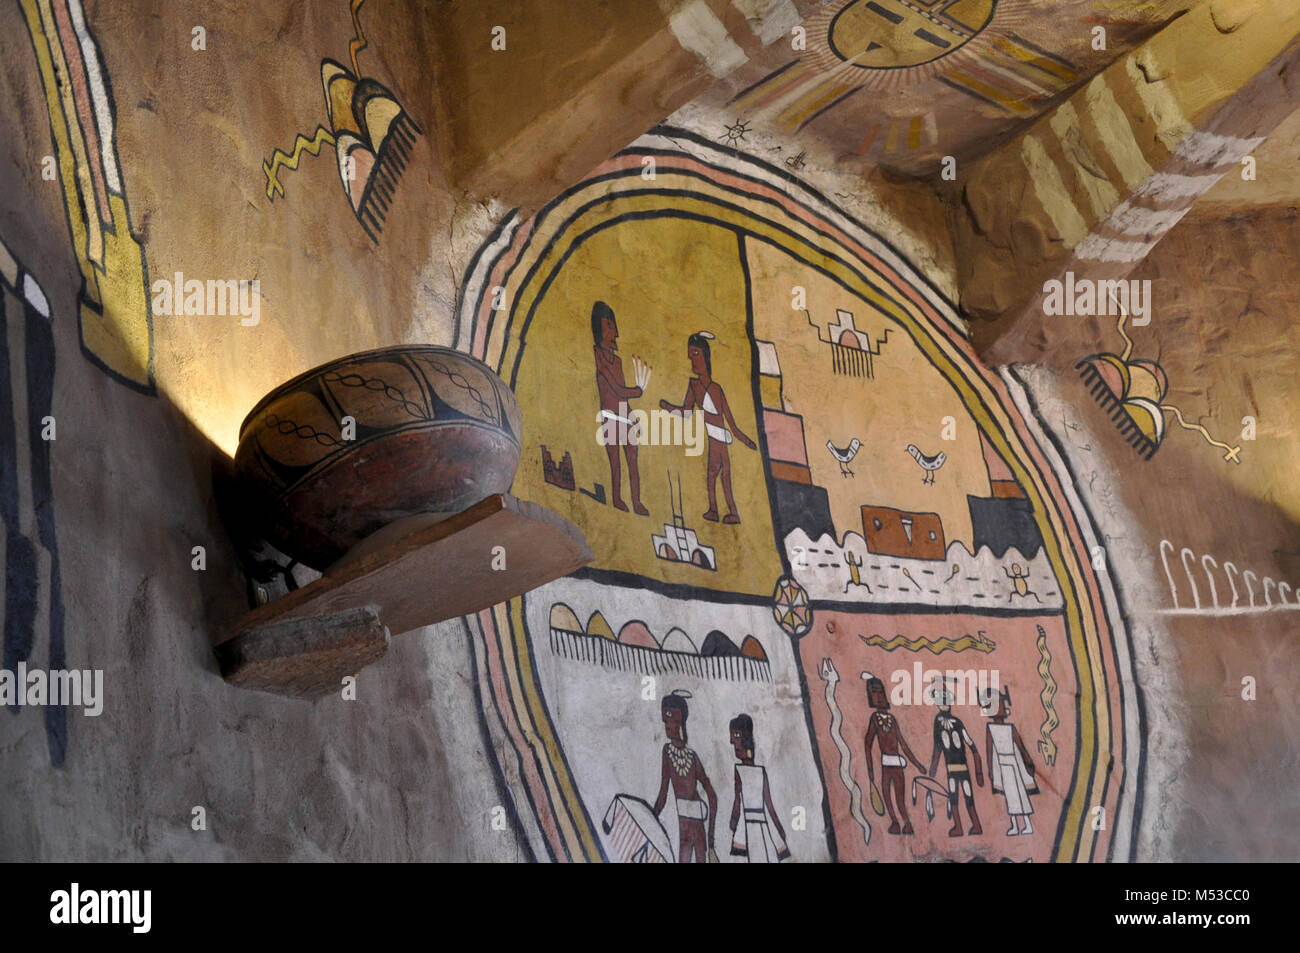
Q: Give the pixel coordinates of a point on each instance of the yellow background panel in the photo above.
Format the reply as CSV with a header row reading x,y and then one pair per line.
x,y
904,403
665,278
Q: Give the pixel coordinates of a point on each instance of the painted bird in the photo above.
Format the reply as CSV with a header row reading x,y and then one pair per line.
x,y
928,464
845,457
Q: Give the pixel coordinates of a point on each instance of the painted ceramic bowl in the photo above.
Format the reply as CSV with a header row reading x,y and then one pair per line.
x,y
342,450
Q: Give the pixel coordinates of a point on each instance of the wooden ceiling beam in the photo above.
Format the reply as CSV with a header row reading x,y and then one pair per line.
x,y
1090,188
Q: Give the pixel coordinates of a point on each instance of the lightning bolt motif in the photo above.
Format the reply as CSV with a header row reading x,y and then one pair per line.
x,y
359,40
980,643
1232,454
283,159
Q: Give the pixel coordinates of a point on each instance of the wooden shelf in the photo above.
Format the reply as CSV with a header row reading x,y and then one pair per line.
x,y
410,574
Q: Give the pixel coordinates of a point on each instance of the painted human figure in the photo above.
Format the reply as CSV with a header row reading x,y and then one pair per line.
x,y
884,730
682,769
614,394
1019,583
1011,769
952,740
756,832
707,394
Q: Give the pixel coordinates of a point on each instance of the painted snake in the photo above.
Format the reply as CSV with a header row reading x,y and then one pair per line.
x,y
832,677
980,643
1047,745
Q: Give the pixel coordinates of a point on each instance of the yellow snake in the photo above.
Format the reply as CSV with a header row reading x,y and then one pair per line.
x,y
980,643
1047,746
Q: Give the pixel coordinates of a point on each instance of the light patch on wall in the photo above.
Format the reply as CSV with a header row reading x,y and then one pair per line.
x,y
770,19
1158,97
1051,192
699,30
1116,132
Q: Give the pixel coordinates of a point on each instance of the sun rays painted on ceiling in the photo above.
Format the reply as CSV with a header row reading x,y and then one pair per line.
x,y
856,46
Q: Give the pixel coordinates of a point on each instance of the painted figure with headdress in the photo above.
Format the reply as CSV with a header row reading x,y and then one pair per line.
x,y
704,392
1011,769
685,775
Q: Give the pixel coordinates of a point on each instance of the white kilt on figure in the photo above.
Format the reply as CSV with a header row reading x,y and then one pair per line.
x,y
1008,774
756,838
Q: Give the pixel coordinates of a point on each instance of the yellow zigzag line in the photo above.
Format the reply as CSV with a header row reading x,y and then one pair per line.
x,y
1231,451
1119,326
1047,746
980,643
359,41
279,159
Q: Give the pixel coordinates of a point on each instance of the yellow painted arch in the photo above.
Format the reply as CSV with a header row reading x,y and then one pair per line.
x,y
604,203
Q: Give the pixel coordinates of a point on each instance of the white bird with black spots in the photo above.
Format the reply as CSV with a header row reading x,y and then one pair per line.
x,y
928,464
845,457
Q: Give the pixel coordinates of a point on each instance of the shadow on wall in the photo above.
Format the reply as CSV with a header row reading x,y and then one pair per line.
x,y
33,608
113,329
33,597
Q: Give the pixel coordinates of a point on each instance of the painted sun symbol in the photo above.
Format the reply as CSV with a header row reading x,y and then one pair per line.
x,y
736,131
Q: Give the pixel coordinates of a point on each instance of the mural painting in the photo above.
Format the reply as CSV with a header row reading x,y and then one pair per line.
x,y
33,592
1245,599
114,306
371,133
1134,391
866,550
856,47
